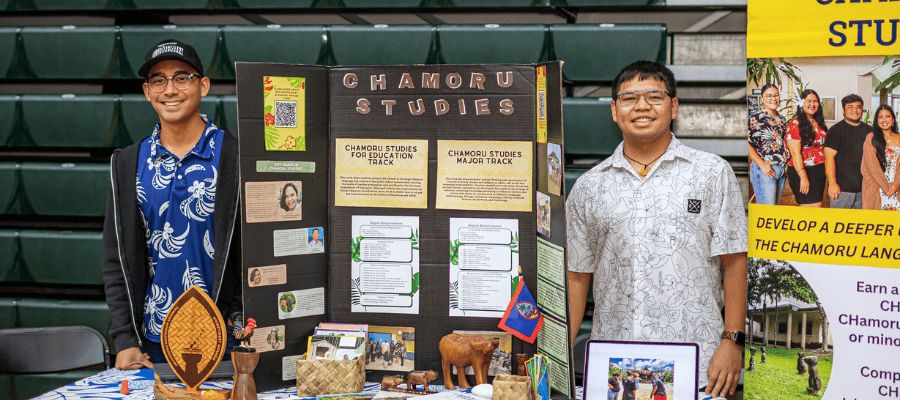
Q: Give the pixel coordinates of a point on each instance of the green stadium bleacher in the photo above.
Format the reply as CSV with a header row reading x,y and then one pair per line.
x,y
69,5
170,4
374,4
138,39
9,247
8,312
596,52
7,47
501,3
382,44
41,312
590,129
571,175
289,44
65,189
78,120
275,3
493,43
9,175
226,115
7,113
61,257
61,52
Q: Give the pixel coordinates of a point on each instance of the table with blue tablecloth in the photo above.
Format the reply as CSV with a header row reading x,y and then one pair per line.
x,y
106,385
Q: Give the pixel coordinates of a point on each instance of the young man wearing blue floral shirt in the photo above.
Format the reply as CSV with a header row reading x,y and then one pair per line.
x,y
171,214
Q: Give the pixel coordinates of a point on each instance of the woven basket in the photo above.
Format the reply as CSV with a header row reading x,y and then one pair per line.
x,y
317,377
511,387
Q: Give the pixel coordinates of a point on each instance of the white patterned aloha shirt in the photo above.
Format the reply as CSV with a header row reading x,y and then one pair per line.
x,y
652,245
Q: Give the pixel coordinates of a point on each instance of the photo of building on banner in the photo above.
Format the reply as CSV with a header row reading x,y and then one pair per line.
x,y
824,152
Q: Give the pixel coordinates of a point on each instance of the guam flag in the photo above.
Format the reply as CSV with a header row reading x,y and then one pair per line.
x,y
523,319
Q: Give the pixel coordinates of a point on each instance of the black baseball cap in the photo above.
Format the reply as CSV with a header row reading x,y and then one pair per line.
x,y
171,49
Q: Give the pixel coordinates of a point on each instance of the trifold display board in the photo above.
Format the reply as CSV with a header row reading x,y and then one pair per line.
x,y
435,189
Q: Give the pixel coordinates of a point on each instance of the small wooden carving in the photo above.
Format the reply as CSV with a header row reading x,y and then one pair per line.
x,y
420,378
244,358
391,382
193,339
521,359
463,351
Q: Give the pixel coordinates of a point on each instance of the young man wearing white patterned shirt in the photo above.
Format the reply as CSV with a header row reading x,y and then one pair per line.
x,y
650,229
171,211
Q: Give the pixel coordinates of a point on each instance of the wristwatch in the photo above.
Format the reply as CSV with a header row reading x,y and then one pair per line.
x,y
738,337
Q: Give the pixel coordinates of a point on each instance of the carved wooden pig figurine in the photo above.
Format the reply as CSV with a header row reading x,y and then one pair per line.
x,y
415,378
463,351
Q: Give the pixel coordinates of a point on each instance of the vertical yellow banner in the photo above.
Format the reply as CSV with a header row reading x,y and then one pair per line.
x,y
541,99
284,108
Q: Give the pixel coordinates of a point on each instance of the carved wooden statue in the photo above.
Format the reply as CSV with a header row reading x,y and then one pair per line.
x,y
801,366
521,359
762,357
752,366
815,383
463,351
244,358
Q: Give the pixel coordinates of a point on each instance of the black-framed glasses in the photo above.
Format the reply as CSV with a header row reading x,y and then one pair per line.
x,y
181,81
654,97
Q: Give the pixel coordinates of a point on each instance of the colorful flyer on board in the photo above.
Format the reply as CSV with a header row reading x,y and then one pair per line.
x,y
391,348
541,103
554,168
385,264
284,102
484,266
381,173
273,201
824,283
543,215
484,175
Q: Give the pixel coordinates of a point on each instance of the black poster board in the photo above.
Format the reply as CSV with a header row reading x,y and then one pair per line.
x,y
380,112
306,271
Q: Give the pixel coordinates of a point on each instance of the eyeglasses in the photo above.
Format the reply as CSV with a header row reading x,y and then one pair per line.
x,y
654,97
772,96
181,81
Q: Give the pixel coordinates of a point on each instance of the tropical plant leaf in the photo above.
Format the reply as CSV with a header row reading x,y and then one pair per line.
x,y
454,295
355,293
271,137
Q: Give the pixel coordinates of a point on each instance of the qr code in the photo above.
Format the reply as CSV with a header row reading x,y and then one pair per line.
x,y
285,114
542,103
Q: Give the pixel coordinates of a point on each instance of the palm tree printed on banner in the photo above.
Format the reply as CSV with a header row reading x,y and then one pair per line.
x,y
203,197
156,306
192,276
167,245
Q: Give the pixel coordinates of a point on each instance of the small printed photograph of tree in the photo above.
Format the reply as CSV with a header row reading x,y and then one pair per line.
x,y
789,350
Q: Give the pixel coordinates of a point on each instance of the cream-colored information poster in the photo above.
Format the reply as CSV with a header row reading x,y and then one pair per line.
x,y
484,175
381,173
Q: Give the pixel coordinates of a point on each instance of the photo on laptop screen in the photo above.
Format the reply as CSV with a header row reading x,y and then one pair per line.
x,y
642,369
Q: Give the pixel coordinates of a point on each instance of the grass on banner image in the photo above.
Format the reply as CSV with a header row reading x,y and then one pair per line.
x,y
778,377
